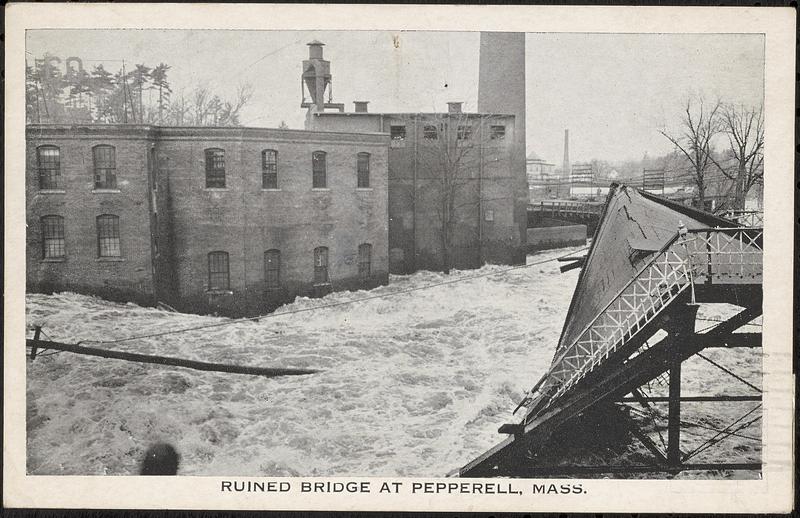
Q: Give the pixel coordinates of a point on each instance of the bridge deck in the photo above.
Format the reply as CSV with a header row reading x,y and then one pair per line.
x,y
604,350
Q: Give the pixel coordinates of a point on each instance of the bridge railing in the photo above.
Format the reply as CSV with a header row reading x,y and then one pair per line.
x,y
722,256
746,218
567,207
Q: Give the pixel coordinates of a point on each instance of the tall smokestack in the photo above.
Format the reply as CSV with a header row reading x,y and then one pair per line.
x,y
566,166
501,90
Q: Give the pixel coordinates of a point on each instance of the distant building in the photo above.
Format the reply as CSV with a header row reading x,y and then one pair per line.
x,y
543,182
487,213
583,182
538,169
228,220
485,229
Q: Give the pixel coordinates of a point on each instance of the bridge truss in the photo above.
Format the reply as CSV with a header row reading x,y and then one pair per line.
x,y
642,336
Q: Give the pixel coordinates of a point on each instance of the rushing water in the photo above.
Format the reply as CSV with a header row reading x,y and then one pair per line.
x,y
410,385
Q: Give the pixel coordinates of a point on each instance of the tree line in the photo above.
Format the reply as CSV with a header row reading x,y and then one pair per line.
x,y
140,94
742,162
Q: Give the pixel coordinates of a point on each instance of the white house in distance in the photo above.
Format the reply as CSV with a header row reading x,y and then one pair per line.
x,y
542,179
538,169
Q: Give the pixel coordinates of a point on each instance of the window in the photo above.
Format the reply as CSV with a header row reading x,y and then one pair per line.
x,y
272,268
215,168
105,167
464,132
49,162
497,132
397,132
108,236
429,132
218,271
319,170
53,237
269,169
321,265
364,260
363,170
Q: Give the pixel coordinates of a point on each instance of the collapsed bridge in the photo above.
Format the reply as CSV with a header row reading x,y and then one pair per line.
x,y
632,321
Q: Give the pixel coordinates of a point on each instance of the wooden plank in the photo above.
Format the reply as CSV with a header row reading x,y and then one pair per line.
x,y
36,334
692,399
545,471
166,360
647,441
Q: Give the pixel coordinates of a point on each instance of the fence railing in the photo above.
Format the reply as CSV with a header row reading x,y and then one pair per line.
x,y
746,218
567,207
719,256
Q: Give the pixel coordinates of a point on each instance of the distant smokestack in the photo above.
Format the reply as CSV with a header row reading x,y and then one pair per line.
x,y
566,165
454,107
361,106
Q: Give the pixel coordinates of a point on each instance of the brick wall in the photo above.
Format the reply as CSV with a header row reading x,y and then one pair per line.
x,y
189,220
245,220
128,277
414,222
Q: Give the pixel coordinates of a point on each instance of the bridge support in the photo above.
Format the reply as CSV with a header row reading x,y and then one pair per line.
x,y
681,326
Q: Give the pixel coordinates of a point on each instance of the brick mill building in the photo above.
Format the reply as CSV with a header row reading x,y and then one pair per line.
x,y
484,227
228,220
240,220
481,154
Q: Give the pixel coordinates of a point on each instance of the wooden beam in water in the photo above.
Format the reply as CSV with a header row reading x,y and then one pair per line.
x,y
166,360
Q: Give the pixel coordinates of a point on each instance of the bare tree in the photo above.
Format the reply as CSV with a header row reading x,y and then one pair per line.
x,y
453,149
208,109
228,113
200,102
699,125
178,111
745,130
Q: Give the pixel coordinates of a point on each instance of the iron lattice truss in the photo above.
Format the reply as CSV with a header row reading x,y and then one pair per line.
x,y
718,256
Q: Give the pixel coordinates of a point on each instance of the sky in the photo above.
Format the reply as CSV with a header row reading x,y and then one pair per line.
x,y
612,91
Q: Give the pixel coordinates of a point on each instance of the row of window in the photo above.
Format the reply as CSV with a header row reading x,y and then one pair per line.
x,y
108,245
105,168
431,132
215,169
104,158
219,267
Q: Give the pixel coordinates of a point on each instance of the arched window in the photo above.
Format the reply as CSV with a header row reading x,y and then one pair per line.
x,y
215,168
219,277
319,170
272,269
105,167
363,170
364,261
269,169
53,237
108,242
48,161
321,265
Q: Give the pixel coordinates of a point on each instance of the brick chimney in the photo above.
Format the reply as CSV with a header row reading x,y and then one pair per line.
x,y
361,106
454,107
